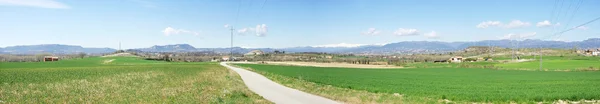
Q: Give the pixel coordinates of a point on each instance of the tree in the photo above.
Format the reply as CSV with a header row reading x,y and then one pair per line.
x,y
40,57
81,55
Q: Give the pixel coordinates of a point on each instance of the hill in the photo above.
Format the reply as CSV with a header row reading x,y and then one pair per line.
x,y
437,47
170,48
53,48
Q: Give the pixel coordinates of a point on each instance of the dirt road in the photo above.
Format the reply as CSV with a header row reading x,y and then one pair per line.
x,y
275,92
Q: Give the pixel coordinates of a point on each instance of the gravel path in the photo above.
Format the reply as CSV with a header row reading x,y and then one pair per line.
x,y
275,92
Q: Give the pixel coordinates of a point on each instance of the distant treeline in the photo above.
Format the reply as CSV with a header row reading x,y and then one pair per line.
x,y
37,57
179,56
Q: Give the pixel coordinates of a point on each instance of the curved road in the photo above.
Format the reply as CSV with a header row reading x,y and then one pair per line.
x,y
275,92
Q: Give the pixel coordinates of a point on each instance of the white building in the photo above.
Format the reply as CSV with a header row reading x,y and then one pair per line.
x,y
456,59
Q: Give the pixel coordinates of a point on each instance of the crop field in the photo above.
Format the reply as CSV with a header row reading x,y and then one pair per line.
x,y
454,84
121,80
446,65
557,63
573,65
550,63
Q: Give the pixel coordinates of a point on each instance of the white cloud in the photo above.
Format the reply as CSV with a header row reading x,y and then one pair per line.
x,y
431,35
581,27
226,26
545,23
371,31
517,24
172,31
261,30
340,45
406,32
487,24
35,3
518,36
243,31
512,24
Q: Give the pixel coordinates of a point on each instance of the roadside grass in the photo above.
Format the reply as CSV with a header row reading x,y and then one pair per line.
x,y
126,80
458,85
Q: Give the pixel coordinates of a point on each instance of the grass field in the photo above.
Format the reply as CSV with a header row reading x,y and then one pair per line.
x,y
573,63
121,80
455,84
550,63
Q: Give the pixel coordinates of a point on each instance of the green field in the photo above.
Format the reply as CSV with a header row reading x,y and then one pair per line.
x,y
455,84
122,80
550,63
554,65
573,63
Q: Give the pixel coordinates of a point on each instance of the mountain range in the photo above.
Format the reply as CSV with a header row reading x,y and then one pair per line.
x,y
53,48
392,48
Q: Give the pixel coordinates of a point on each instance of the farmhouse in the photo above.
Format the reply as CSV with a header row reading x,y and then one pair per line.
x,y
50,58
225,58
596,53
456,59
591,52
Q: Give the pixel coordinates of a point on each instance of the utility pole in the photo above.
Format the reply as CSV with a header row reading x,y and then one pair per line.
x,y
512,50
518,48
231,48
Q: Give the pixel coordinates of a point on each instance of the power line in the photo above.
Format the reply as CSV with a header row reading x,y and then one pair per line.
x,y
553,10
557,15
553,30
238,13
232,29
553,19
588,22
573,15
260,10
541,59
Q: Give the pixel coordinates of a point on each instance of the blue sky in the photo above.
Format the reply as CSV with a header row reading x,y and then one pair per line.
x,y
289,23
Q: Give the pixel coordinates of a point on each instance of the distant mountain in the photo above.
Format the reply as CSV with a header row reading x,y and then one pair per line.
x,y
53,48
391,48
189,48
235,50
318,49
436,46
170,48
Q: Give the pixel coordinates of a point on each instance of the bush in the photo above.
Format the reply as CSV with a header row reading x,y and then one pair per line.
x,y
470,59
